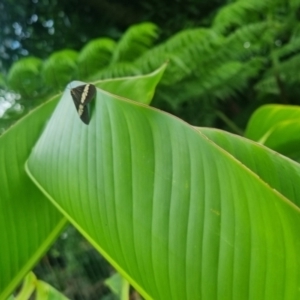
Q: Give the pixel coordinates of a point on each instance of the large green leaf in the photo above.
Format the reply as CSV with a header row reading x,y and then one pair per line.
x,y
267,116
277,126
28,221
137,88
177,215
277,171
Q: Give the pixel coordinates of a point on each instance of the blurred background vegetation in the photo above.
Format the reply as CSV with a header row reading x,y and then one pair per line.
x,y
226,58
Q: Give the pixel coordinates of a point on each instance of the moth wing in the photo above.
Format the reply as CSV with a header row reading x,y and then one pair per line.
x,y
91,93
76,96
85,115
82,95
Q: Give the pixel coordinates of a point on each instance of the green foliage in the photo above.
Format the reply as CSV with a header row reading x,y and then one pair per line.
x,y
248,56
60,68
95,56
25,77
251,47
2,81
157,197
287,73
228,80
121,69
294,4
42,27
72,261
42,290
183,54
135,42
29,227
240,13
277,127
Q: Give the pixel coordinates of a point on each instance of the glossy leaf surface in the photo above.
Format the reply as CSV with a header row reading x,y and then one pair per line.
x,y
177,215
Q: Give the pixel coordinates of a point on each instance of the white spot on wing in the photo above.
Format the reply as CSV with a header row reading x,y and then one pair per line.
x,y
80,109
85,93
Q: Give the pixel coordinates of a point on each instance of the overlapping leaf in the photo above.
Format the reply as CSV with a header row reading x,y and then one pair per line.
x,y
277,126
177,215
28,221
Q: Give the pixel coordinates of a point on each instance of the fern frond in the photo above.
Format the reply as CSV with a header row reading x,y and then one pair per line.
x,y
243,43
255,32
135,42
288,49
240,13
180,51
267,85
296,31
232,78
94,56
198,51
60,68
288,72
290,68
121,69
24,76
227,81
202,37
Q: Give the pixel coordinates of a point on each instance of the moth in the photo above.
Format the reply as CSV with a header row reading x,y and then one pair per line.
x,y
82,95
